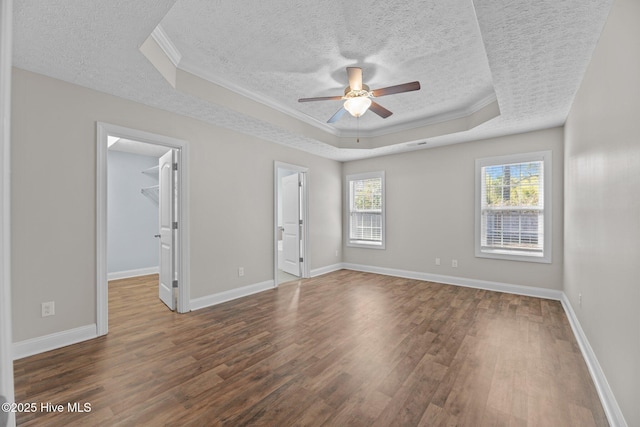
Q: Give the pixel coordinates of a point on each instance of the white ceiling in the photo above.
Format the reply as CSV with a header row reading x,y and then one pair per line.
x,y
486,68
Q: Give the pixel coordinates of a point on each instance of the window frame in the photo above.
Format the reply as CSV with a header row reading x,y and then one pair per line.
x,y
516,255
359,243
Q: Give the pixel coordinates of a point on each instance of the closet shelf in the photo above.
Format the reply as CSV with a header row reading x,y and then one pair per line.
x,y
154,170
152,193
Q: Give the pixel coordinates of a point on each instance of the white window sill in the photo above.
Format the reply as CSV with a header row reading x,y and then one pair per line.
x,y
365,244
513,255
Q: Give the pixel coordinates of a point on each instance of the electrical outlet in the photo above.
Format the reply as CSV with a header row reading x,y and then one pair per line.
x,y
454,263
240,271
580,300
336,253
48,308
437,261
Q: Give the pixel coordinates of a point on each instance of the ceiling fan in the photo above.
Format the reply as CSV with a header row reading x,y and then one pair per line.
x,y
357,96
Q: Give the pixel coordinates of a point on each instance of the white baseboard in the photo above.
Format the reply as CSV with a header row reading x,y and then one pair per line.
x,y
133,273
530,291
53,341
231,294
612,409
324,270
608,400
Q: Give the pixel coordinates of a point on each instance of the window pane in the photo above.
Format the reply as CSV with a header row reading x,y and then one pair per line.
x,y
366,226
518,185
366,210
513,229
366,195
512,207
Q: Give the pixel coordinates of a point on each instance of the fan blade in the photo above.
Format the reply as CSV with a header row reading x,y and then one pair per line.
x,y
321,98
379,110
406,87
337,115
355,78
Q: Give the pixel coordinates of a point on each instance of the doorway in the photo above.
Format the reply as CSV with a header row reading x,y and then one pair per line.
x,y
132,208
172,209
291,225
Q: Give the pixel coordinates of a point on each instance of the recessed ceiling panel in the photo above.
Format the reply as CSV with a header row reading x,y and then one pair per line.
x,y
280,51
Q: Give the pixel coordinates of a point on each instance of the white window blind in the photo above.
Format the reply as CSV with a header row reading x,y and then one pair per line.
x,y
366,209
512,207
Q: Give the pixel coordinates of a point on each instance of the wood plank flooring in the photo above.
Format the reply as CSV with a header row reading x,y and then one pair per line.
x,y
343,349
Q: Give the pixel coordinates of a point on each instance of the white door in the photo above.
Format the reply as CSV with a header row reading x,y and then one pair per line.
x,y
291,224
167,230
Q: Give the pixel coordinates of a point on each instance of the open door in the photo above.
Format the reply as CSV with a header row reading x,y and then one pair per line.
x,y
168,227
291,224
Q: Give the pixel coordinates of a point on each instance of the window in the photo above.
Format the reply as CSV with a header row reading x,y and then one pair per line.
x,y
513,207
366,210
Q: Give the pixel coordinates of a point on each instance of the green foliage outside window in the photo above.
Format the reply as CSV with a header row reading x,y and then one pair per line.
x,y
516,185
367,195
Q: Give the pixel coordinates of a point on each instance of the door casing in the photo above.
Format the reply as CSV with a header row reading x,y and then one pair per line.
x,y
6,342
104,130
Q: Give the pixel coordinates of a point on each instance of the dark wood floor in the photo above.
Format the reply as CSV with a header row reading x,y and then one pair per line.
x,y
343,349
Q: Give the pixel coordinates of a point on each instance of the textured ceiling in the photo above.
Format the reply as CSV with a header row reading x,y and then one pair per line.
x,y
281,52
529,56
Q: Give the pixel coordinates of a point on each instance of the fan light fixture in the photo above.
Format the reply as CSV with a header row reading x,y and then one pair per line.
x,y
357,96
357,106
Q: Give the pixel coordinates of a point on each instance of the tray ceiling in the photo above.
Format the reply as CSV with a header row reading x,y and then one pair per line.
x,y
486,68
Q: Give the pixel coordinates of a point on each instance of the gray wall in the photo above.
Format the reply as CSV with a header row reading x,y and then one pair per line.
x,y
602,231
430,211
54,208
132,217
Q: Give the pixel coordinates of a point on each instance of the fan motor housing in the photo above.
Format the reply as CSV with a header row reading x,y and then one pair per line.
x,y
350,93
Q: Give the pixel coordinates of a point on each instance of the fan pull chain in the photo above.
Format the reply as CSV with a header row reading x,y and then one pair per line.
x,y
358,129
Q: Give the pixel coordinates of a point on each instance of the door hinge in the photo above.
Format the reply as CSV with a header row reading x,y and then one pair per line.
x,y
175,283
175,166
300,222
175,225
299,183
301,259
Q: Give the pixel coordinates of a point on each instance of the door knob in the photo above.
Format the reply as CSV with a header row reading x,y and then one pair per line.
x,y
156,235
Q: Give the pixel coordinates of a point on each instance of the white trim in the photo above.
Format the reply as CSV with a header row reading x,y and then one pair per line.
x,y
465,112
212,78
166,45
6,364
325,270
608,400
53,341
133,273
306,256
219,298
530,291
102,132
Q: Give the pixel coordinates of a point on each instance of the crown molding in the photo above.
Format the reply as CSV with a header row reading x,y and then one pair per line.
x,y
191,68
428,121
167,45
174,55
